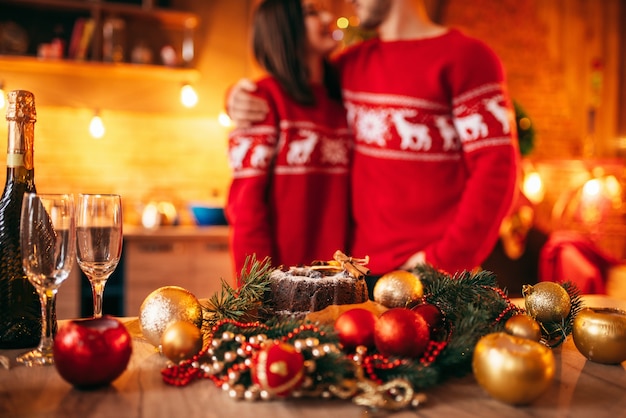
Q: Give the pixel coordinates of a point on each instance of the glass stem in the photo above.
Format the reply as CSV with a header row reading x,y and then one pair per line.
x,y
97,288
48,316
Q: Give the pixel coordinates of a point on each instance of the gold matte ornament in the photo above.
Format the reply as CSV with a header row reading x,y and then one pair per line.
x,y
164,306
181,340
511,369
523,326
398,289
547,301
600,334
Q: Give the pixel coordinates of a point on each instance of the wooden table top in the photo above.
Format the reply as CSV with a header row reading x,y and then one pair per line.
x,y
580,389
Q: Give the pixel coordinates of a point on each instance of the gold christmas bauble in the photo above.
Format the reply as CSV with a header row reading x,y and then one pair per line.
x,y
523,326
547,301
181,340
164,306
398,289
511,369
600,334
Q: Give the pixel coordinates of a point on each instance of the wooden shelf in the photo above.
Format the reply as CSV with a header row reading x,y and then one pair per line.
x,y
95,69
97,85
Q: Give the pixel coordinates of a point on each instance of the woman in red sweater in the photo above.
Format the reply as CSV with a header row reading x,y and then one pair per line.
x,y
289,198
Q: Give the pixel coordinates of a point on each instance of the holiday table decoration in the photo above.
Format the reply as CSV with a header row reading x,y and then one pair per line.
x,y
240,329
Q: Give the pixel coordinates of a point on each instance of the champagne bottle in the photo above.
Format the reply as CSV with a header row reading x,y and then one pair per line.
x,y
20,309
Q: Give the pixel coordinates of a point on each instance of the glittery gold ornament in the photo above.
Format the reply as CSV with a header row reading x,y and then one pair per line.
x,y
181,340
547,301
164,306
511,369
523,326
398,289
600,334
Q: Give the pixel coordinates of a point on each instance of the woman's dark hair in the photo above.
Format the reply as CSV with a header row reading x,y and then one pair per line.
x,y
279,46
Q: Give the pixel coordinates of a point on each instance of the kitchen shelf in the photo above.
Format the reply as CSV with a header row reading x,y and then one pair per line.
x,y
95,69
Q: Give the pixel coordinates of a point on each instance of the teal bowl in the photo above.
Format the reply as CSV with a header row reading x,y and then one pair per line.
x,y
206,215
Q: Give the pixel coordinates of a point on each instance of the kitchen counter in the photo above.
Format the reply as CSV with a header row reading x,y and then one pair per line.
x,y
217,232
580,389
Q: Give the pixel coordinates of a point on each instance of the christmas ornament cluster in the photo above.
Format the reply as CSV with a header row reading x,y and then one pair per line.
x,y
433,326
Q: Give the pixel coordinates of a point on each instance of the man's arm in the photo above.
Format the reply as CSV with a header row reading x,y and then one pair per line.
x,y
243,107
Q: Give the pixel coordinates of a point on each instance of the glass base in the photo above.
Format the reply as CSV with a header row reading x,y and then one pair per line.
x,y
36,357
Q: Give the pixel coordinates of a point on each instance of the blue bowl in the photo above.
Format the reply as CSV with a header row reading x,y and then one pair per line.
x,y
205,215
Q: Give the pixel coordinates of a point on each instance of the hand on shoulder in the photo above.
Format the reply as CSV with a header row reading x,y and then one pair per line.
x,y
242,106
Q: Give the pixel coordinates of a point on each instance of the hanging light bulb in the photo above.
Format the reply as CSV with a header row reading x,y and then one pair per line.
x,y
224,120
533,187
96,126
188,96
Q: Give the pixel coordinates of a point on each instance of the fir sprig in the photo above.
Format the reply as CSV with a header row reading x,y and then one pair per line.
x,y
244,303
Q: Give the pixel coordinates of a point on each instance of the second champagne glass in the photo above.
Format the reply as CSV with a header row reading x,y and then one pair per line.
x,y
98,240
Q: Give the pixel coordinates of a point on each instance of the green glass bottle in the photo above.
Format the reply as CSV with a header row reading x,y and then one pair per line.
x,y
20,309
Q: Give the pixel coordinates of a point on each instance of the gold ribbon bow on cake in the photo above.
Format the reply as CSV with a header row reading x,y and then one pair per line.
x,y
354,266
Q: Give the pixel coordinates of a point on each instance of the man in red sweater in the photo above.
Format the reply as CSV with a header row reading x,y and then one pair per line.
x,y
436,160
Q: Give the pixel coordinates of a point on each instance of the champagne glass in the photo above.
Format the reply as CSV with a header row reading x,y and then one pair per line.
x,y
47,241
98,240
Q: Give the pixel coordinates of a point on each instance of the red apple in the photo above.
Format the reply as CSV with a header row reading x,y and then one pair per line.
x,y
92,352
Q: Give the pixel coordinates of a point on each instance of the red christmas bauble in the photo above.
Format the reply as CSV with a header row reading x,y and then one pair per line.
x,y
431,314
401,332
278,368
356,327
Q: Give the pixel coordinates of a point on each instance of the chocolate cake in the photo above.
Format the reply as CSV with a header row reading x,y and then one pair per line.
x,y
300,290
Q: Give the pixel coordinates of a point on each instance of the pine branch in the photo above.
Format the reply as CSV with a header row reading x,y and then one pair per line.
x,y
244,303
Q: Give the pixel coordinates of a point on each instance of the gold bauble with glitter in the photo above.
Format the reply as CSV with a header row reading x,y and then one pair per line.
x,y
398,289
600,334
547,301
181,340
523,326
511,369
164,306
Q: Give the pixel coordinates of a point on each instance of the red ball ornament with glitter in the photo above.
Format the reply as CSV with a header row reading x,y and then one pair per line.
x,y
355,327
401,332
278,369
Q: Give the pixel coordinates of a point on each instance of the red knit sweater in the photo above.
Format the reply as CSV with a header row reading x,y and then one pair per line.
x,y
436,158
289,198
